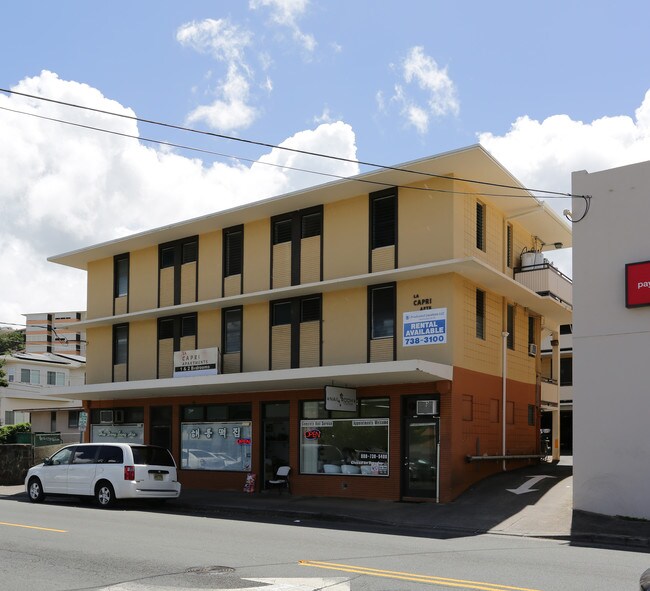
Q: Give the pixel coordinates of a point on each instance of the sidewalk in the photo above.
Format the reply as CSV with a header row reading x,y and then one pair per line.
x,y
491,506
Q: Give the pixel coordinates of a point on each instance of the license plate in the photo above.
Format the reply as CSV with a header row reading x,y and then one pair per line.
x,y
157,476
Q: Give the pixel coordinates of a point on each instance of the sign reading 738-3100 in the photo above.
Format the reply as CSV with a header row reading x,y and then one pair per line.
x,y
425,327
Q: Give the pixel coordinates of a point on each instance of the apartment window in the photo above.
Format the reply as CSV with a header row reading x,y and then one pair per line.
x,y
531,415
233,244
566,329
178,272
30,376
510,326
382,312
480,226
297,247
531,330
120,344
177,328
383,218
232,330
121,275
55,378
509,246
480,314
566,371
296,333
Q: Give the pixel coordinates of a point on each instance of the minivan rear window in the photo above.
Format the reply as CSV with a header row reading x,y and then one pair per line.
x,y
156,456
110,454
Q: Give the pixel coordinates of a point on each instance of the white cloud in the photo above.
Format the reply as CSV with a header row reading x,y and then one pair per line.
x,y
324,117
286,13
543,155
65,187
225,42
429,90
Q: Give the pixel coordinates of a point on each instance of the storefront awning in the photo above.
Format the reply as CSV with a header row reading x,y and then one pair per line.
x,y
412,371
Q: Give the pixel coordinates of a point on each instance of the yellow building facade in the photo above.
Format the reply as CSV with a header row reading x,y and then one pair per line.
x,y
371,333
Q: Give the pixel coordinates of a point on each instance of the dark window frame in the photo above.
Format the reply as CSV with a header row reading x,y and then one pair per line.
x,y
233,251
224,329
118,353
510,325
294,308
509,246
480,307
372,290
295,220
121,263
179,249
178,327
481,225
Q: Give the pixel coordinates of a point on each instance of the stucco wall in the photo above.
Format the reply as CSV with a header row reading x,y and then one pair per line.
x,y
611,344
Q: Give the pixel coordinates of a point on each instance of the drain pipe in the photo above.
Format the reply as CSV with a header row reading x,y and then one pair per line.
x,y
504,354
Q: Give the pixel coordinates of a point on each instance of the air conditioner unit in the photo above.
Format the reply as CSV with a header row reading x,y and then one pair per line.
x,y
106,417
118,416
532,349
426,407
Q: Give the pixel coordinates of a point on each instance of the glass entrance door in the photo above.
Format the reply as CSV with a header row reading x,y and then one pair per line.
x,y
275,438
420,454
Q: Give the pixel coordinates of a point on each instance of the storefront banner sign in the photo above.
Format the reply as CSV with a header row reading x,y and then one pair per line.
x,y
425,327
199,362
309,424
370,422
117,434
224,446
637,284
340,398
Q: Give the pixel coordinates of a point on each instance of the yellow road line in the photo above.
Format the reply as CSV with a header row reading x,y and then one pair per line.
x,y
432,580
59,531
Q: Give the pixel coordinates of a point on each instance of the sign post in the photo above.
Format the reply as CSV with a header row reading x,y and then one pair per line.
x,y
83,424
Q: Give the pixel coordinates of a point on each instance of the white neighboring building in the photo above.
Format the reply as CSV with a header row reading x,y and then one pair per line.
x,y
611,341
29,377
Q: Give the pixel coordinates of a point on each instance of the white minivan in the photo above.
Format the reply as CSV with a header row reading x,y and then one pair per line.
x,y
107,472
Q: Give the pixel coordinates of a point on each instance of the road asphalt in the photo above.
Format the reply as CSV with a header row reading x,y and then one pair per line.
x,y
531,502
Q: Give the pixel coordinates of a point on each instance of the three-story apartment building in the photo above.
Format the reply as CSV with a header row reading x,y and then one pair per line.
x,y
370,333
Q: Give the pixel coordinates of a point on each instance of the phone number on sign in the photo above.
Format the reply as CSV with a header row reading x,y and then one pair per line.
x,y
424,340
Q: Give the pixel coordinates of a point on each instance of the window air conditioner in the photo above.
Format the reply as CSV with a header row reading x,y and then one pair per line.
x,y
106,417
426,407
532,349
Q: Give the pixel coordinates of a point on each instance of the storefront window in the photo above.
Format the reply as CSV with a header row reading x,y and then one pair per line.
x,y
354,445
216,446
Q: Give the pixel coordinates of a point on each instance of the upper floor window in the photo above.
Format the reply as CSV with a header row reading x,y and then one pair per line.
x,y
120,344
509,246
382,311
121,275
178,272
296,247
296,332
566,371
232,330
233,244
510,326
480,314
383,218
30,376
480,225
55,378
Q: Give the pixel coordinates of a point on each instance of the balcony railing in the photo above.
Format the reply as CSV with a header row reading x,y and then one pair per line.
x,y
546,280
550,393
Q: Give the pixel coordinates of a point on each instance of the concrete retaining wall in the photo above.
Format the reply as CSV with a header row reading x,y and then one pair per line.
x,y
15,460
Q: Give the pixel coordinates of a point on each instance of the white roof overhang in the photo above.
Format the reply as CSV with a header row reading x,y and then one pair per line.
x,y
473,162
353,376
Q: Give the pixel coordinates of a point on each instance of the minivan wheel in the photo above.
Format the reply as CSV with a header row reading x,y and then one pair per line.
x,y
104,494
35,489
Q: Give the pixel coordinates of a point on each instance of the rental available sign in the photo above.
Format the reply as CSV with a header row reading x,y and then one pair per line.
x,y
637,284
425,327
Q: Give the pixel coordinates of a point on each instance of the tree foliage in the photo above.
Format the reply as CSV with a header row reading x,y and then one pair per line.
x,y
11,341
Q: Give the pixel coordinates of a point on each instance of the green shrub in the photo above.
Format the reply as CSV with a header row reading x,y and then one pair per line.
x,y
8,432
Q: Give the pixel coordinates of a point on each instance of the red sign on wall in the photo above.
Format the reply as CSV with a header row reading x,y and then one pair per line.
x,y
637,284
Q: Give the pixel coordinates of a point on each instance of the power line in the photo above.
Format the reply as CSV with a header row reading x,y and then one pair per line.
x,y
275,146
282,166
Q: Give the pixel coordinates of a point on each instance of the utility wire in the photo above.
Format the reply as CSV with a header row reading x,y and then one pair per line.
x,y
275,146
282,166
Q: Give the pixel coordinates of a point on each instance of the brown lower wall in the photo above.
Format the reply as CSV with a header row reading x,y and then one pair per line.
x,y
461,434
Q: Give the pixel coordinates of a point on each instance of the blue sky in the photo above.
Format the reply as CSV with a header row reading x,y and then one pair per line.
x,y
548,88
